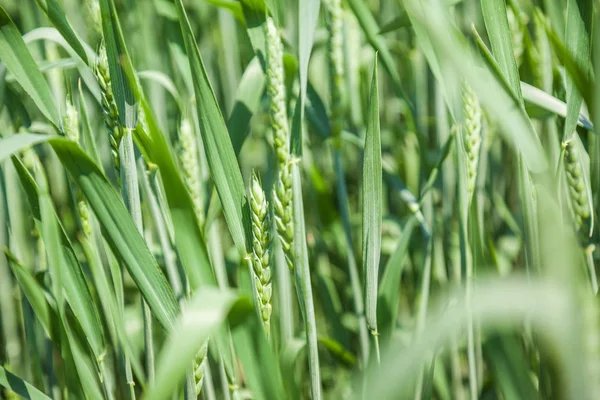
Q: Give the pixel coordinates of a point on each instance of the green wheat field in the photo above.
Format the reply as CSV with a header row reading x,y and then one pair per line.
x,y
299,199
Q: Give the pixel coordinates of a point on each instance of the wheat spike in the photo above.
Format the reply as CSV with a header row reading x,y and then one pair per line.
x,y
471,135
261,246
276,92
109,107
577,186
188,156
282,204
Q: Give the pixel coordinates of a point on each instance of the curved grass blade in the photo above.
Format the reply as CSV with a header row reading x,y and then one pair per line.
x,y
389,289
59,19
120,231
495,17
33,292
578,33
64,267
372,195
53,35
15,143
582,79
539,98
188,237
201,317
19,62
247,101
225,171
20,387
120,68
165,81
541,303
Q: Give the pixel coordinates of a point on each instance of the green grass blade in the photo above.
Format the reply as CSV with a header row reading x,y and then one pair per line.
x,y
389,289
188,237
580,77
496,23
578,33
59,19
201,318
371,29
33,292
48,34
20,387
260,363
372,195
222,162
62,258
303,284
255,13
308,14
500,105
247,101
19,62
109,301
120,231
15,143
538,98
509,366
120,68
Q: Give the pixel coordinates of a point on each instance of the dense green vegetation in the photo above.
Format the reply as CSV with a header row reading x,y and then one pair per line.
x,y
269,199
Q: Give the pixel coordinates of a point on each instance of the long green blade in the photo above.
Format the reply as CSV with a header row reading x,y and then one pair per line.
x,y
20,387
372,204
223,165
59,19
120,68
120,231
578,33
201,318
19,62
16,143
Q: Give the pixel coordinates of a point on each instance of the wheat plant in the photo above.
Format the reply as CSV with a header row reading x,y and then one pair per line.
x,y
299,199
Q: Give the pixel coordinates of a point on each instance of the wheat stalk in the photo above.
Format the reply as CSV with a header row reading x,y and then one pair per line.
x,y
335,58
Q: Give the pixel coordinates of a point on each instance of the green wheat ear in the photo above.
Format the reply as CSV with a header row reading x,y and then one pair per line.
x,y
578,188
282,204
276,92
471,136
199,367
188,156
71,130
110,112
261,249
